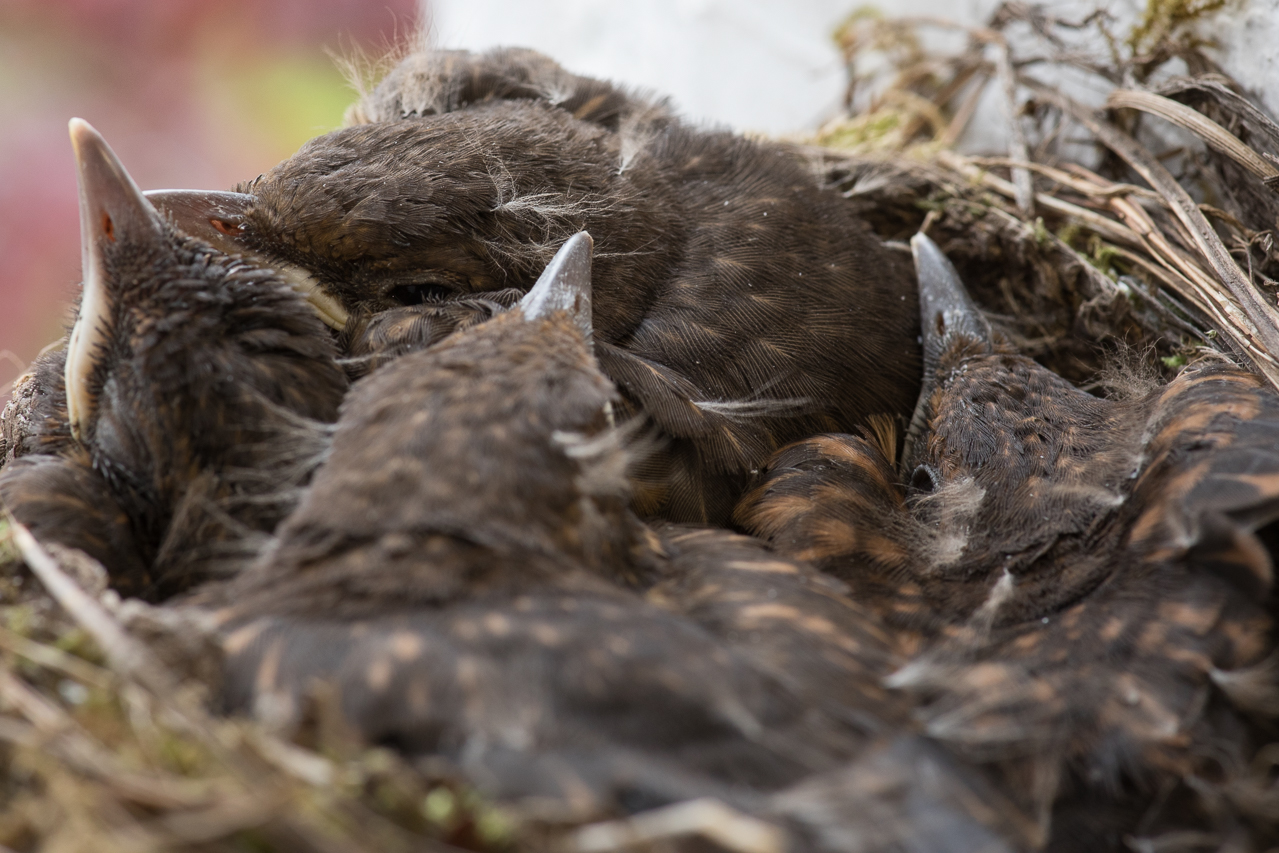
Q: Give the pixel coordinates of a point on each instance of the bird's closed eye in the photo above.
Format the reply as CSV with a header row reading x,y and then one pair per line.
x,y
417,294
421,293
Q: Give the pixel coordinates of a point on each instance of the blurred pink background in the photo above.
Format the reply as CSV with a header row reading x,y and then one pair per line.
x,y
189,94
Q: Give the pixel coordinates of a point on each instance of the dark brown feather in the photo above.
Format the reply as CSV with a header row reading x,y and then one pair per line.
x,y
1090,572
737,304
203,396
433,82
466,576
35,418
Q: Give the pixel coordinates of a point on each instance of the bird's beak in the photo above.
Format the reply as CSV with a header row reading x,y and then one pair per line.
x,y
113,213
946,312
565,285
945,308
218,218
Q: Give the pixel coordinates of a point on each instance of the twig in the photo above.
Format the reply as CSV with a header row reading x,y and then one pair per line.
x,y
1102,226
709,818
1264,321
54,658
1083,185
125,654
1195,122
1167,314
1242,106
54,732
1018,150
967,108
1192,282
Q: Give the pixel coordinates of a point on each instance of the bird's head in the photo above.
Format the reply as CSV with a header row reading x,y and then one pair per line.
x,y
183,362
1019,474
485,461
432,82
438,208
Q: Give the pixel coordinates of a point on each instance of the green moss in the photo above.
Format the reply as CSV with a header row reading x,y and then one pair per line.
x,y
844,30
864,132
493,828
1102,256
1042,235
1163,20
440,807
8,551
20,619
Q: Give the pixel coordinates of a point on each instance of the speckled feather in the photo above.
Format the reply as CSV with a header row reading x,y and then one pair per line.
x,y
736,303
207,393
1089,572
504,625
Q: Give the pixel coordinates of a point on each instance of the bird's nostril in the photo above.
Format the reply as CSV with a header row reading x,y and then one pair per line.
x,y
108,227
226,227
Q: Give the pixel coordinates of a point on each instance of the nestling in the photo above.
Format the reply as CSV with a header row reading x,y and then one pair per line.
x,y
195,392
737,304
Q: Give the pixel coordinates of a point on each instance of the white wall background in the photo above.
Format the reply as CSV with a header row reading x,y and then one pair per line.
x,y
766,65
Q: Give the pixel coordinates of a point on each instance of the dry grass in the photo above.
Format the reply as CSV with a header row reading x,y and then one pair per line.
x,y
1147,226
105,747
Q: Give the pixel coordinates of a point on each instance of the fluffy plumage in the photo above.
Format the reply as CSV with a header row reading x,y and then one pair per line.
x,y
1089,572
434,82
738,305
35,418
195,394
467,578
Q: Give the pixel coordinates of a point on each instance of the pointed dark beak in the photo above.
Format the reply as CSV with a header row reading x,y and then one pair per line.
x,y
565,284
946,314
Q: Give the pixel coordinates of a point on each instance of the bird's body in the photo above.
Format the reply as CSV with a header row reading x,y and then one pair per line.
x,y
1088,573
194,395
738,305
465,576
466,562
35,418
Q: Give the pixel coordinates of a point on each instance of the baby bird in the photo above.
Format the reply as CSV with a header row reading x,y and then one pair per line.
x,y
1092,576
465,574
737,305
192,399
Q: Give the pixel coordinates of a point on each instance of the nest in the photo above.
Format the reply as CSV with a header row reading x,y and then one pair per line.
x,y
1148,226
1140,234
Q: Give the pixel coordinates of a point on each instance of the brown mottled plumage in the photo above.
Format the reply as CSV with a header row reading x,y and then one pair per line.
x,y
466,576
738,305
460,567
373,340
1090,571
196,387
